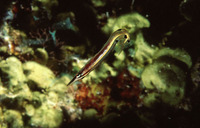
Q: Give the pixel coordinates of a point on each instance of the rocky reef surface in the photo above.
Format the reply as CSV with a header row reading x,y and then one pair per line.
x,y
154,82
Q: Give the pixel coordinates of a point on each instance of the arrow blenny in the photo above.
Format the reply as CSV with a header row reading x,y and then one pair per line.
x,y
120,36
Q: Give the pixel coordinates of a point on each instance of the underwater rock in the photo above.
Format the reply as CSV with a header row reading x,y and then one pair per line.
x,y
38,74
41,56
37,108
15,91
59,86
37,99
166,76
13,119
131,21
177,54
167,79
30,110
119,59
11,69
21,101
18,98
45,117
140,54
3,49
151,98
90,114
35,95
143,51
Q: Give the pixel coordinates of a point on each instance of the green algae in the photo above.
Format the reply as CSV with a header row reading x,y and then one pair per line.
x,y
35,101
35,74
13,119
131,21
167,75
12,68
37,94
143,51
41,56
46,117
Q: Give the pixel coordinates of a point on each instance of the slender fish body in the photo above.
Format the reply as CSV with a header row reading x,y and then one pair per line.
x,y
120,36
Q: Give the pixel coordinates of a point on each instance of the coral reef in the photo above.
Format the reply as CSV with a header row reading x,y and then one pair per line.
x,y
166,77
31,91
153,82
195,73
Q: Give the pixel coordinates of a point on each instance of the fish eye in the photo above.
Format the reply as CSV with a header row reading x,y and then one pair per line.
x,y
125,36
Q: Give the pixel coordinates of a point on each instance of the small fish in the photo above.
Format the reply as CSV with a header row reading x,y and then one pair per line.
x,y
120,36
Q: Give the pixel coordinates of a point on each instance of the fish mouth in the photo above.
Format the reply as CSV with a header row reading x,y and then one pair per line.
x,y
73,80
